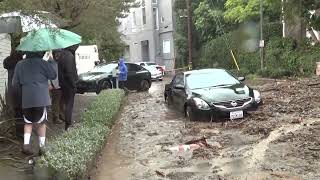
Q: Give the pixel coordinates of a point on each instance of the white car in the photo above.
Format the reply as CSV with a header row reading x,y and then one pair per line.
x,y
155,73
153,64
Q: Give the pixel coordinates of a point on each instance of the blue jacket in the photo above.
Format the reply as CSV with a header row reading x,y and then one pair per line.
x,y
123,71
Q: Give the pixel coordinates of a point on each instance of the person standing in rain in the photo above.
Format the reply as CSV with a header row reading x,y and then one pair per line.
x,y
123,74
31,76
14,97
55,92
68,77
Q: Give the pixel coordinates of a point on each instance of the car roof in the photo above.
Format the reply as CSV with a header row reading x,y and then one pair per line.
x,y
203,71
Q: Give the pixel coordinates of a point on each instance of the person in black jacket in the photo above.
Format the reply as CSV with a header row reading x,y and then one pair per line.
x,y
68,77
14,97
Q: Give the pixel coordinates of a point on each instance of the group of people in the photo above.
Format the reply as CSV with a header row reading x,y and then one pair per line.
x,y
34,79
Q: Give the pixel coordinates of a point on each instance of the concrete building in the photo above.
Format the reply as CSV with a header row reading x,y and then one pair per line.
x,y
148,32
5,49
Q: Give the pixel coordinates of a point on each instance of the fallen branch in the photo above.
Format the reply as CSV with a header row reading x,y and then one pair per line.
x,y
314,148
11,140
313,84
160,173
6,149
272,89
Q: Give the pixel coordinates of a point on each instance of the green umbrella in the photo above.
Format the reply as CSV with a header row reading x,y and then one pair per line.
x,y
48,39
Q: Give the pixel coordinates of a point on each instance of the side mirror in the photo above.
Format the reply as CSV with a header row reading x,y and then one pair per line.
x,y
178,86
241,79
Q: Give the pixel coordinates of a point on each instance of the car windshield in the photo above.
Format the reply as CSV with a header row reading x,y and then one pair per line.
x,y
213,78
151,64
104,68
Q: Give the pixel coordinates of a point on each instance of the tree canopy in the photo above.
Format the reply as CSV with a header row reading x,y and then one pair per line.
x,y
95,20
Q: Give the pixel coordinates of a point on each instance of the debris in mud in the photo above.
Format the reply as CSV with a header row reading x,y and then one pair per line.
x,y
180,175
160,173
135,116
296,121
205,153
152,134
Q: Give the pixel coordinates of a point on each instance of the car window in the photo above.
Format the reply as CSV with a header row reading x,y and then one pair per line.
x,y
179,79
210,79
104,68
134,67
141,64
151,64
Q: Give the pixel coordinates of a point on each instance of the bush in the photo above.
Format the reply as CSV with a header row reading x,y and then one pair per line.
x,y
71,153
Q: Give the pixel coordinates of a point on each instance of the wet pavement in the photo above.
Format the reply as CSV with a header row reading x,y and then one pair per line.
x,y
14,165
279,141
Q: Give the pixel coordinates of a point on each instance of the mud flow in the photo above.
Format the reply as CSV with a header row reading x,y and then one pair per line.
x,y
279,141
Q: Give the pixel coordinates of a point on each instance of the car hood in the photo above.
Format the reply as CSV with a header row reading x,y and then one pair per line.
x,y
223,93
90,76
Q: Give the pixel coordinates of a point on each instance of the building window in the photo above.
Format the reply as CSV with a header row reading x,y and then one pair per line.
x,y
154,1
143,3
144,16
134,18
162,19
166,49
155,18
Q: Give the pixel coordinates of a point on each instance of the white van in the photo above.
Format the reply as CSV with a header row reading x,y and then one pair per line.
x,y
86,56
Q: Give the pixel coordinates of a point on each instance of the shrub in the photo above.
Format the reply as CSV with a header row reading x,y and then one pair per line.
x,y
71,153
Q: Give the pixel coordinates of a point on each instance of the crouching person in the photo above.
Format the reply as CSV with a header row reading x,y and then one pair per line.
x,y
31,77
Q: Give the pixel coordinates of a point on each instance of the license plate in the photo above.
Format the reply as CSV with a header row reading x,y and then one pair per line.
x,y
236,115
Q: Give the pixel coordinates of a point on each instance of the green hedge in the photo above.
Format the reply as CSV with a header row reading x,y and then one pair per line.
x,y
71,153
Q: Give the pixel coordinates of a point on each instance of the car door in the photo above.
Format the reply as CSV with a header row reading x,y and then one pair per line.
x,y
178,92
135,76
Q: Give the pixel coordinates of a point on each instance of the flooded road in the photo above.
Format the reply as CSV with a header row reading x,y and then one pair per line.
x,y
271,143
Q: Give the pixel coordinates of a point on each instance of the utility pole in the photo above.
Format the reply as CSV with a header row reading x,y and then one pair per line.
x,y
261,44
188,2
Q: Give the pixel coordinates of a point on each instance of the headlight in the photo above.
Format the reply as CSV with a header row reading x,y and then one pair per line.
x,y
201,104
257,96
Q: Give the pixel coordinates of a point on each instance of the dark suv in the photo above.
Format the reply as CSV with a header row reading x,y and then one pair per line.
x,y
103,77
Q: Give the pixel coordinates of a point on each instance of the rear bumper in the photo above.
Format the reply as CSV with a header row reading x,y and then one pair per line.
x,y
156,77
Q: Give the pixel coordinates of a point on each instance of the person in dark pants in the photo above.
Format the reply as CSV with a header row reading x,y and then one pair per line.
x,y
14,95
123,74
68,77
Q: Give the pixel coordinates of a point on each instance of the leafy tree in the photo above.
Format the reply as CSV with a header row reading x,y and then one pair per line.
x,y
93,19
209,18
240,11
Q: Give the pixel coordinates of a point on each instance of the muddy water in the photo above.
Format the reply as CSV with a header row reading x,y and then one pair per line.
x,y
243,149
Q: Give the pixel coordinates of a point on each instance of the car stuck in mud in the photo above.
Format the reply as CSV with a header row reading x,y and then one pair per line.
x,y
211,93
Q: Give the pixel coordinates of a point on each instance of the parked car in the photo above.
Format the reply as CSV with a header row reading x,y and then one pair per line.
x,y
211,93
155,73
153,64
103,77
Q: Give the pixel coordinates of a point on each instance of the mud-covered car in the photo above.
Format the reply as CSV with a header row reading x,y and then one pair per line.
x,y
211,93
103,77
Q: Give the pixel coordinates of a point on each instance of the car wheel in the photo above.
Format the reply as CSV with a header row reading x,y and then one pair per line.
x,y
103,85
80,92
144,85
190,114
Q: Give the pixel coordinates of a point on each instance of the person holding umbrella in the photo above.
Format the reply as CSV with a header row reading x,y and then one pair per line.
x,y
32,75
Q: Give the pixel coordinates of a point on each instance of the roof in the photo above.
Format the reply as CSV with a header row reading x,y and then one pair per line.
x,y
203,71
